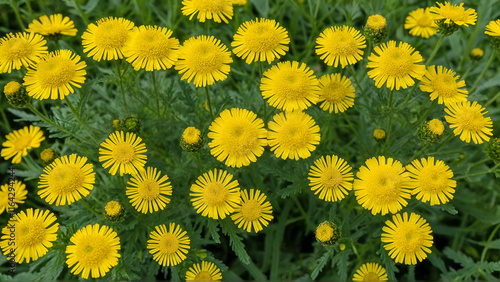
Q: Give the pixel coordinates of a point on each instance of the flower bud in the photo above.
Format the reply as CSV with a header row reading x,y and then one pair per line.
x,y
327,233
379,135
191,140
16,94
493,149
114,211
48,156
375,29
431,131
477,54
131,124
446,29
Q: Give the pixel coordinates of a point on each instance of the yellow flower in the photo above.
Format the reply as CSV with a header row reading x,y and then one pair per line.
x,y
443,84
421,23
105,39
370,272
431,181
376,22
126,154
20,141
192,140
66,180
260,40
214,195
34,232
477,54
436,126
493,28
395,65
331,178
148,192
469,121
151,48
218,10
340,45
11,88
253,210
207,271
114,211
53,25
289,86
238,137
94,251
327,233
407,238
379,134
168,247
454,14
21,49
204,59
382,185
55,75
11,194
293,135
335,93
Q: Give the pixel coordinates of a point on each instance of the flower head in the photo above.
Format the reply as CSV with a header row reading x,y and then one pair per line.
x,y
395,65
493,28
469,121
454,14
370,272
53,25
94,251
382,185
376,22
114,211
260,40
493,149
407,238
436,126
204,59
148,192
289,86
421,23
192,140
106,38
151,48
431,181
379,134
16,95
431,131
238,137
331,177
55,75
443,84
35,230
20,141
11,194
21,49
477,54
253,211
342,45
327,233
126,153
207,271
335,93
214,195
168,247
66,180
375,29
293,135
218,10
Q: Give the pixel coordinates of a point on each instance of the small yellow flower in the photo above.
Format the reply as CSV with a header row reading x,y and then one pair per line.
x,y
477,54
18,142
436,126
218,10
207,271
53,25
454,14
253,211
192,140
370,272
114,211
126,153
331,177
327,233
168,246
340,45
148,192
443,84
421,23
21,49
469,121
336,93
11,88
376,22
379,134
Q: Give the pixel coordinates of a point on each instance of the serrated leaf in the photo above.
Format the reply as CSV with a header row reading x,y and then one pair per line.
x,y
23,116
495,244
235,241
449,208
437,261
214,230
458,257
288,191
321,263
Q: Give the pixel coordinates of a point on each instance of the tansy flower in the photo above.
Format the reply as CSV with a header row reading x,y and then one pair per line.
x,y
207,271
114,211
289,86
431,181
151,48
66,180
370,272
376,22
204,59
476,54
238,137
421,23
11,194
192,140
335,93
94,251
327,233
443,84
342,45
382,185
214,195
34,232
293,135
407,238
253,210
218,10
148,192
493,28
168,247
436,126
105,39
21,49
55,75
375,29
260,40
18,142
454,14
379,134
469,121
330,176
53,25
395,65
124,153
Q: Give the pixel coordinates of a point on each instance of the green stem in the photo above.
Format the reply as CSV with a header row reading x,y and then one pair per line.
x,y
417,154
80,120
434,52
303,212
492,100
450,136
427,112
482,73
483,254
85,19
467,72
353,74
264,105
353,128
478,173
208,103
16,12
389,122
89,208
156,92
198,161
5,120
30,10
409,96
121,86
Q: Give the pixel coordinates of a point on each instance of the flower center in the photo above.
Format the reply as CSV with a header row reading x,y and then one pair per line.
x,y
110,35
471,119
343,45
387,187
123,153
251,210
424,21
66,178
454,13
445,85
19,48
153,44
261,37
433,179
292,84
29,232
55,72
408,238
334,92
92,251
215,193
371,276
295,136
169,244
204,58
203,276
242,138
22,142
331,178
396,62
324,233
149,189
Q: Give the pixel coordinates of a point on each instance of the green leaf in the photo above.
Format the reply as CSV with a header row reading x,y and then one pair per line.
x,y
288,191
235,241
255,271
458,257
214,230
437,261
449,208
321,263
